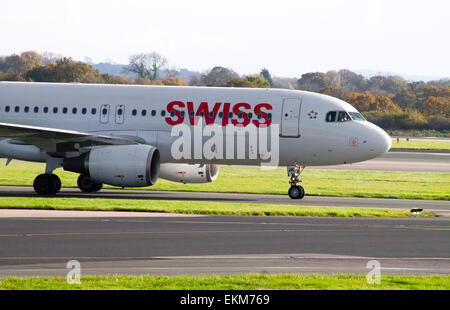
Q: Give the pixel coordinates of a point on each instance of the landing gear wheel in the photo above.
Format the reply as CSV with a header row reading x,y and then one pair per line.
x,y
47,184
296,192
86,184
57,181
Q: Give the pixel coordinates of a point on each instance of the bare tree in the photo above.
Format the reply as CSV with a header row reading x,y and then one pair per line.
x,y
146,65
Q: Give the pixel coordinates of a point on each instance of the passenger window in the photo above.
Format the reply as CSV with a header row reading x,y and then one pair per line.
x,y
7,108
26,109
331,117
172,113
191,114
163,113
55,110
64,110
250,115
17,109
36,109
105,111
153,112
220,114
343,117
134,112
45,109
84,111
269,116
94,111
74,111
182,113
144,112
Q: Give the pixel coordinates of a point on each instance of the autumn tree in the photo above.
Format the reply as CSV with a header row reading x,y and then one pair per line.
x,y
146,65
217,76
352,81
251,81
65,70
385,85
336,92
436,106
361,101
171,81
384,104
20,64
313,81
405,99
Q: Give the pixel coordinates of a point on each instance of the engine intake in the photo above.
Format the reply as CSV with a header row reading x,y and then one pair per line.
x,y
118,165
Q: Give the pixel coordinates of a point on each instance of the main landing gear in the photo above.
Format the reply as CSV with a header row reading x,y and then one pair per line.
x,y
86,184
50,184
47,184
295,191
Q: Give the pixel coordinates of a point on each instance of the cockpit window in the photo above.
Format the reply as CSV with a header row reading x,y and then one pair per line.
x,y
356,116
343,117
331,116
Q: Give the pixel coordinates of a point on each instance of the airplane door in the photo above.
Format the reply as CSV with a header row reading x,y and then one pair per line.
x,y
120,112
104,114
290,119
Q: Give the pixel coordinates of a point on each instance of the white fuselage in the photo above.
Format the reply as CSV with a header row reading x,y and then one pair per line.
x,y
304,134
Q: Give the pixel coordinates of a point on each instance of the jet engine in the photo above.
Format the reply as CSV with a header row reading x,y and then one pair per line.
x,y
186,173
118,165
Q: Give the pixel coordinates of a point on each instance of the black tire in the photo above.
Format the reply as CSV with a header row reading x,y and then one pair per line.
x,y
45,184
296,192
57,181
86,184
97,187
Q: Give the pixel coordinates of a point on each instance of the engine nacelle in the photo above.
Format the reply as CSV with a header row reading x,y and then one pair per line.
x,y
118,165
185,173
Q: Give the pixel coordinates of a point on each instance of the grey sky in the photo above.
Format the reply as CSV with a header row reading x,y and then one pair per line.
x,y
288,37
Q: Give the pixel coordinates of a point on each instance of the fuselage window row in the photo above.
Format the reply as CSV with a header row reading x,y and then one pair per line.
x,y
330,116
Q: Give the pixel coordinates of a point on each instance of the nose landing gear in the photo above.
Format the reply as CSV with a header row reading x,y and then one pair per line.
x,y
295,191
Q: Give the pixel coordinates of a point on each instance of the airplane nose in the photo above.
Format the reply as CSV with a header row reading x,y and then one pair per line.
x,y
387,141
383,141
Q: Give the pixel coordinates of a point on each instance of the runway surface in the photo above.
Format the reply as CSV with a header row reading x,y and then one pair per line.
x,y
221,245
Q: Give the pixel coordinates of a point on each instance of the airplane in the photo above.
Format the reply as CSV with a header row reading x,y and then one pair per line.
x,y
123,135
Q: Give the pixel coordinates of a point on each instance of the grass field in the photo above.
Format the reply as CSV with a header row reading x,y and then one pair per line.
x,y
420,144
349,183
237,282
199,207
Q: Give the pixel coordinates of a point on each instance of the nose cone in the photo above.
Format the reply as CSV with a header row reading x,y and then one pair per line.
x,y
381,141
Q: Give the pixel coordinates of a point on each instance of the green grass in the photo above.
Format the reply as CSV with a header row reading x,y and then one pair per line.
x,y
199,207
323,182
419,133
235,282
420,145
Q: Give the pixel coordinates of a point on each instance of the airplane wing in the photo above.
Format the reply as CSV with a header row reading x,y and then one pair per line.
x,y
54,140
